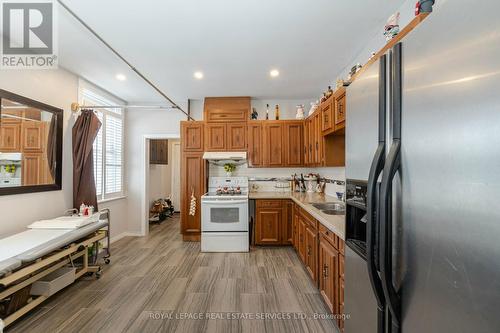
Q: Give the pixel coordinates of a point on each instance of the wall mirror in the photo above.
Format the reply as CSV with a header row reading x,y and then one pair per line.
x,y
30,145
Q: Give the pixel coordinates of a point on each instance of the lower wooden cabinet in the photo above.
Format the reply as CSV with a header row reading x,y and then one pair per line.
x,y
274,222
328,273
192,182
268,226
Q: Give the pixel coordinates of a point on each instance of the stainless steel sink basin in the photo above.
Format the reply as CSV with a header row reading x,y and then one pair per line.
x,y
333,212
330,208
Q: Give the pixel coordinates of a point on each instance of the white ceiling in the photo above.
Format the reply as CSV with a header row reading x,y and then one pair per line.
x,y
235,44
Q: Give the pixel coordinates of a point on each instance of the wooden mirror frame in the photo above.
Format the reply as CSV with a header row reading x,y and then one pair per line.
x,y
59,114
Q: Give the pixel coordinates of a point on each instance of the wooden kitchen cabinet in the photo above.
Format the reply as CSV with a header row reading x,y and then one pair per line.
x,y
273,144
236,136
268,225
302,239
255,141
340,109
10,137
293,134
311,243
32,169
327,115
158,151
192,138
328,271
287,225
215,137
226,109
192,182
32,136
340,311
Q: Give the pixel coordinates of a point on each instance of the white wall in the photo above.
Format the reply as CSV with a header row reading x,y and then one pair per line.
x,y
58,88
160,177
142,122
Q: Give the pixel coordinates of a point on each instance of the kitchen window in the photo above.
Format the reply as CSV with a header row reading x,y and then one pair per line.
x,y
108,146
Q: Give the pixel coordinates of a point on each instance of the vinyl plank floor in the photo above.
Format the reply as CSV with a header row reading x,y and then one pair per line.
x,y
159,283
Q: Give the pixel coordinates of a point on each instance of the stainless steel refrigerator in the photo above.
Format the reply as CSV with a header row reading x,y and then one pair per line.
x,y
423,144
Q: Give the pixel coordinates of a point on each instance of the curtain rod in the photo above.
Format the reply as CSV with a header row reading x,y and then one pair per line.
x,y
75,107
174,105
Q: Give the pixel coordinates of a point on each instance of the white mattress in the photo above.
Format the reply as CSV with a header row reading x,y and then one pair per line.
x,y
14,245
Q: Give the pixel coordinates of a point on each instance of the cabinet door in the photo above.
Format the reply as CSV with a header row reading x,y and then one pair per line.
x,y
312,253
293,136
318,140
327,115
32,136
236,136
340,110
255,145
295,228
340,310
192,182
287,225
10,137
215,137
302,239
31,169
312,140
158,151
192,136
273,144
328,273
226,109
268,226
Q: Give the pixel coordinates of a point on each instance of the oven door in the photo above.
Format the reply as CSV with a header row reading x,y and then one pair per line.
x,y
224,215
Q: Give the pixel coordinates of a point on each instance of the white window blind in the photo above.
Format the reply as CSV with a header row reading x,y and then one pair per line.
x,y
108,148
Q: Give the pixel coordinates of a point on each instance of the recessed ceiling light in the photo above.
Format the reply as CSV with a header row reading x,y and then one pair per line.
x,y
121,77
198,75
274,73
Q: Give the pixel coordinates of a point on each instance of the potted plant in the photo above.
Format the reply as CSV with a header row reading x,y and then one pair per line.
x,y
229,168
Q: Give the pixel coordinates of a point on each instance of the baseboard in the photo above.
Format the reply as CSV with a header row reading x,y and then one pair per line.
x,y
125,234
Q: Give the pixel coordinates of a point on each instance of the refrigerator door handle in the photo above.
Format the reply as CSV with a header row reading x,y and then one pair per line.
x,y
392,296
371,234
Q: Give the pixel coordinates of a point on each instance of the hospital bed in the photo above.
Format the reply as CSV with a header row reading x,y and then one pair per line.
x,y
30,259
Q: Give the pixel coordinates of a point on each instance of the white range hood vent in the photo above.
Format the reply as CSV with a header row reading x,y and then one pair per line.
x,y
223,157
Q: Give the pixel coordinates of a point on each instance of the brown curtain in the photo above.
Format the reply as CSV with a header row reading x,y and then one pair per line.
x,y
51,146
84,133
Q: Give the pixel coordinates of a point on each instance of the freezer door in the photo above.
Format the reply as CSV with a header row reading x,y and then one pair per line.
x,y
362,123
451,170
359,299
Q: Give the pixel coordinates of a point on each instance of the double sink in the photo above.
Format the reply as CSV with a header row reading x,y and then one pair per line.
x,y
330,208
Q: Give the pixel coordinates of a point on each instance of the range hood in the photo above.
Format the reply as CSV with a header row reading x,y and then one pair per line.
x,y
218,157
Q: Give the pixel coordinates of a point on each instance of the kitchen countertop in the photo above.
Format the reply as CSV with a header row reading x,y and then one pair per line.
x,y
335,223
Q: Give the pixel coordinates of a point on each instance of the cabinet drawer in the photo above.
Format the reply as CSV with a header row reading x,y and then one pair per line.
x,y
268,203
310,221
329,235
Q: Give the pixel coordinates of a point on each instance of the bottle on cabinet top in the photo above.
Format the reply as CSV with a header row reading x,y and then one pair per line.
x,y
277,112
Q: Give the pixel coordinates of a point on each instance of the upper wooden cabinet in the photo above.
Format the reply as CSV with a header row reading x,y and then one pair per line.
x,y
293,135
273,143
255,139
10,137
236,136
215,137
327,117
226,109
158,151
340,109
33,136
226,136
192,136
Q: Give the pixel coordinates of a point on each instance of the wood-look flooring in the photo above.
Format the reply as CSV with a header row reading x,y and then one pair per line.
x,y
160,283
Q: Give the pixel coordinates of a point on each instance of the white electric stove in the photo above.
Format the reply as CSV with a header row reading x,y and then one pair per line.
x,y
224,215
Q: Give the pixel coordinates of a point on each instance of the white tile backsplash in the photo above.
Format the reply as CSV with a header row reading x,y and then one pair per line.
x,y
337,173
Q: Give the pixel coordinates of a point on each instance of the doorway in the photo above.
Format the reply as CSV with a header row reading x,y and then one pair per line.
x,y
161,178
